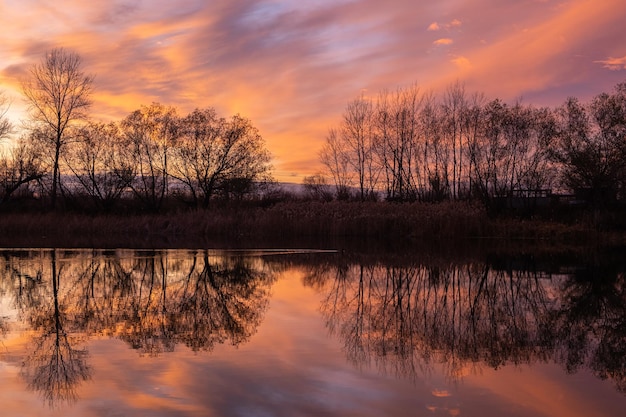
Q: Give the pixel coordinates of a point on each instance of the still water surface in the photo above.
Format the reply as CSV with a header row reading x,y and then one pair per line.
x,y
297,333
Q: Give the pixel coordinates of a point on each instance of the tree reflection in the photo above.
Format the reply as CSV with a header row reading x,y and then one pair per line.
x,y
147,326
220,302
55,367
592,321
405,319
205,302
151,300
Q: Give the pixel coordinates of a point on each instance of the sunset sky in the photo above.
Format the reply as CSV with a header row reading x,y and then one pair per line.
x,y
291,65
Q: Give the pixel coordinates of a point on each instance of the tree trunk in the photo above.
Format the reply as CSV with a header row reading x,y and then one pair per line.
x,y
55,174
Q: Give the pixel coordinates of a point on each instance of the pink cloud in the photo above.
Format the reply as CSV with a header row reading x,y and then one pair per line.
x,y
433,27
614,64
462,62
443,41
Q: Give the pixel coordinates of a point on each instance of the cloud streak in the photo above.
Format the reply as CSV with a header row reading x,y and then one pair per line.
x,y
443,41
291,68
614,64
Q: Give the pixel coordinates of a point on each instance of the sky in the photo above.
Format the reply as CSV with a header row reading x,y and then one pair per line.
x,y
291,66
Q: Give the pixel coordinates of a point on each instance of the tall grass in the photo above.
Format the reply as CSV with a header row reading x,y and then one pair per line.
x,y
281,223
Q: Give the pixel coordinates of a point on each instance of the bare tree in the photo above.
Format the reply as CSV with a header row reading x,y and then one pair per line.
x,y
454,107
472,130
489,152
214,155
5,124
18,167
434,158
609,116
397,140
357,133
336,159
529,132
58,93
150,133
590,146
244,158
97,161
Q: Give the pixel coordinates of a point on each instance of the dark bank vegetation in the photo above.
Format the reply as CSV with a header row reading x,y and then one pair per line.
x,y
404,166
360,226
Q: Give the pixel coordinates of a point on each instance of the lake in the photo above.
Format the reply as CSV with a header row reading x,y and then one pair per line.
x,y
310,333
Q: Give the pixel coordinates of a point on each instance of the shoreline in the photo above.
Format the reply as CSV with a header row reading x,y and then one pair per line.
x,y
316,224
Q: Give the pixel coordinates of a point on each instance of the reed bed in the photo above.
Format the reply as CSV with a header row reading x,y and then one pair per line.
x,y
284,222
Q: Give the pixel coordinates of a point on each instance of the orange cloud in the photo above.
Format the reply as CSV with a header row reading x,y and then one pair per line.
x,y
443,41
462,63
614,64
433,26
452,24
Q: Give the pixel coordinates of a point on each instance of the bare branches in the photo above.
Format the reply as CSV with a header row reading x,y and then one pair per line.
x,y
18,168
58,90
416,146
590,146
98,160
150,132
336,159
58,93
5,125
215,155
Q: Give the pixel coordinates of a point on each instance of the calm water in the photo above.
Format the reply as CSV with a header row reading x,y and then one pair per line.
x,y
288,333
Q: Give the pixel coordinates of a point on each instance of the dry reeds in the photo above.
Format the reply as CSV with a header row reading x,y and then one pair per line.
x,y
282,222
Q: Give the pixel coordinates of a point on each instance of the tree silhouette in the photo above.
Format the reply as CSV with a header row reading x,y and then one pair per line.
x,y
149,134
215,155
5,124
590,147
99,161
57,91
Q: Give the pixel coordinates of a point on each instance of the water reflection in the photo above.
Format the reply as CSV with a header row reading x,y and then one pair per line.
x,y
406,319
590,323
401,316
151,300
55,367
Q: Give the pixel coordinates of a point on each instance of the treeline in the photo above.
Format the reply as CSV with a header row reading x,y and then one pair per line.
x,y
149,157
407,145
414,145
